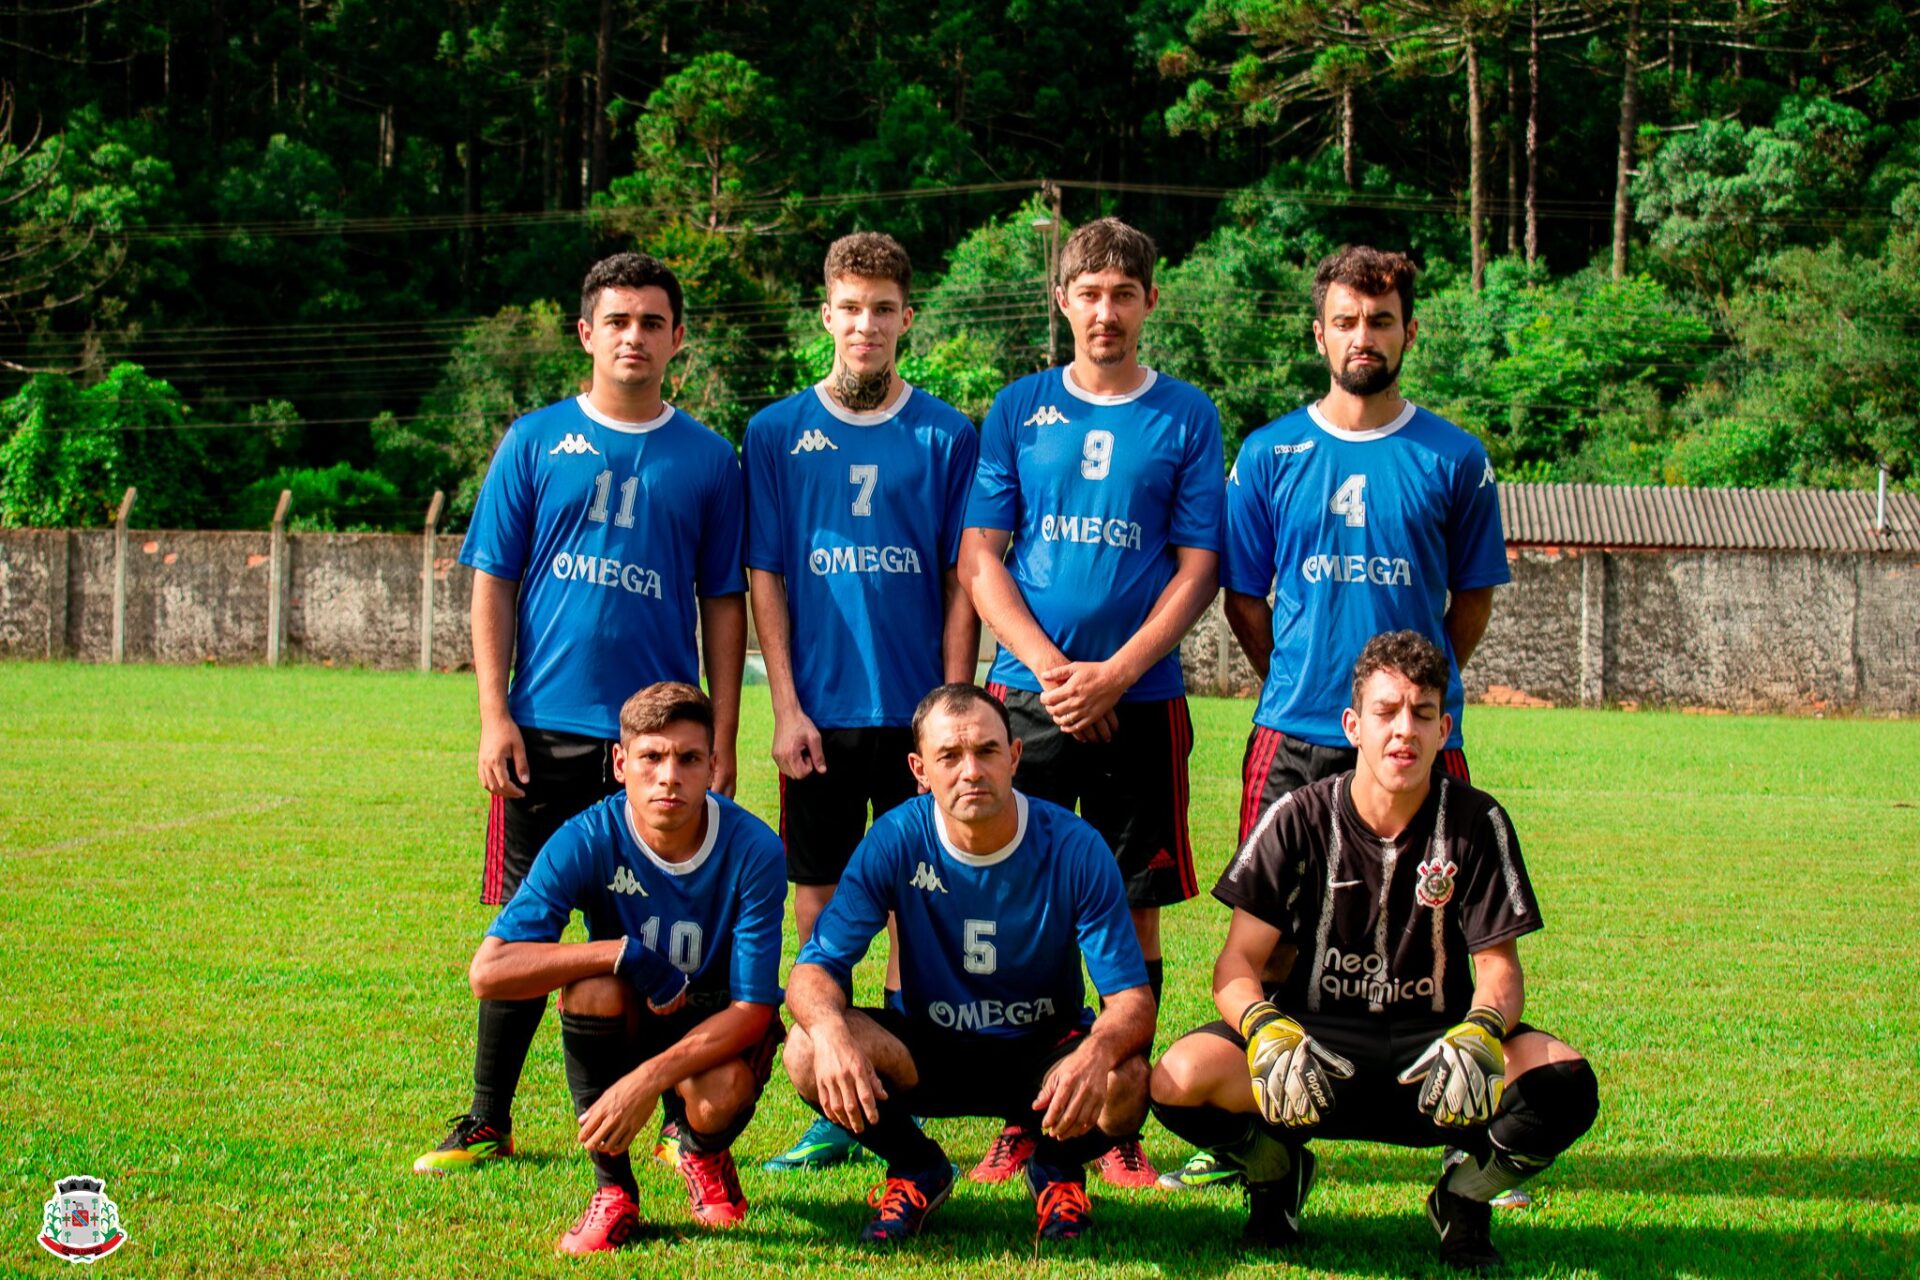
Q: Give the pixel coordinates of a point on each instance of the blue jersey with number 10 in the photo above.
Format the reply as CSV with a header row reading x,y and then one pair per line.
x,y
989,943
1098,491
1358,532
861,513
612,529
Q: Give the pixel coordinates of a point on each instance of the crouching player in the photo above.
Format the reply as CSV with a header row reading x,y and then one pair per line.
x,y
1379,886
998,897
673,1000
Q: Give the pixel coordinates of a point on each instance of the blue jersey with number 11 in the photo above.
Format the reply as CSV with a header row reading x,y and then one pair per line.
x,y
990,943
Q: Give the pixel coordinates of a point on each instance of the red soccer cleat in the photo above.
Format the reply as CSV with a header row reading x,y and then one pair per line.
x,y
608,1223
713,1188
1124,1164
1007,1156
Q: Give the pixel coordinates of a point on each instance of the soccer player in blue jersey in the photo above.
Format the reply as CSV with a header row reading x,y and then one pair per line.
x,y
856,490
999,898
606,525
1106,478
673,999
1362,513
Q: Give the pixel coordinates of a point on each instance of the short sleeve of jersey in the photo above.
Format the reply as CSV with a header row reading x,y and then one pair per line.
x,y
960,482
1199,516
500,534
1104,927
995,501
1269,869
858,911
1247,565
754,975
723,534
554,886
1476,548
1497,902
765,537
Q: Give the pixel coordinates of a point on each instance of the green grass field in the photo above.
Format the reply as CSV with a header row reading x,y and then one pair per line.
x,y
238,906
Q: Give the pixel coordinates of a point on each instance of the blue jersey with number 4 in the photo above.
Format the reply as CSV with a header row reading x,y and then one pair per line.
x,y
1357,533
716,916
1098,491
612,529
989,943
861,513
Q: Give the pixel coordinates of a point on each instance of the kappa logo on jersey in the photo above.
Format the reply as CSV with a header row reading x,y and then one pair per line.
x,y
813,441
1486,477
623,882
1283,450
925,877
573,442
1048,416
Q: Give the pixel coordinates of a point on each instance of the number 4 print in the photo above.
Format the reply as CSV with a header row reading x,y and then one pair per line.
x,y
1350,500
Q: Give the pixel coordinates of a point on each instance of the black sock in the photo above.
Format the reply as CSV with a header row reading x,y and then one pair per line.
x,y
500,1053
598,1053
1157,977
1065,1160
904,1145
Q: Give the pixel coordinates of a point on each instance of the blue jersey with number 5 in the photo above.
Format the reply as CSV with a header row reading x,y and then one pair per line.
x,y
861,513
990,943
1098,491
612,529
1357,533
715,916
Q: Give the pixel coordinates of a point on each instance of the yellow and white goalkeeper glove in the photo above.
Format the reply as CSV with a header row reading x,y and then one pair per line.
x,y
1292,1072
1465,1071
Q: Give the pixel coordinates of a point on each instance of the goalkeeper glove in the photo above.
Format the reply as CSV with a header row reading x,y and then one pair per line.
x,y
1292,1072
649,973
1465,1071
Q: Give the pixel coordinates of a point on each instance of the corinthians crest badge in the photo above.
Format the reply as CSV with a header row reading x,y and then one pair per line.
x,y
1435,885
81,1224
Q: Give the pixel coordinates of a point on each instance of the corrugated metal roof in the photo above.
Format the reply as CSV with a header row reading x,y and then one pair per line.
x,y
1598,515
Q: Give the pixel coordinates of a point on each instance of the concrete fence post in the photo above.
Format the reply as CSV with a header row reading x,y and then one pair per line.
x,y
120,576
277,578
1593,628
426,581
59,604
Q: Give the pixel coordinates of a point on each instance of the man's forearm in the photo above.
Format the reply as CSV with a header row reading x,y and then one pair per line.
x,y
1251,619
1498,981
815,1000
1466,621
525,970
773,625
723,635
1179,604
494,618
959,632
721,1036
1125,1025
997,598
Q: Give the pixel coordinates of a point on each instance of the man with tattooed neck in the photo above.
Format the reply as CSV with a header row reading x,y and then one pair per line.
x,y
856,488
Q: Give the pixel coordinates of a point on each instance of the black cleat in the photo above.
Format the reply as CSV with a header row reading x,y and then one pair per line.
x,y
1466,1230
1273,1208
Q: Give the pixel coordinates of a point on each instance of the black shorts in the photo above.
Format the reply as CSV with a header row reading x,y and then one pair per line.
x,y
1277,764
1133,790
965,1074
824,815
1374,1106
568,773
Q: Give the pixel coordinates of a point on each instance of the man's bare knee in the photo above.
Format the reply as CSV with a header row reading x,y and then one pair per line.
x,y
799,1060
715,1096
603,996
1126,1104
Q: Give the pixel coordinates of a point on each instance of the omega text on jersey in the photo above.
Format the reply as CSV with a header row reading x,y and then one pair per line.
x,y
1093,529
824,560
605,571
1381,571
975,1015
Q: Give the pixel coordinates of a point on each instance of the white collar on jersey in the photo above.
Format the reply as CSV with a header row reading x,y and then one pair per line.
x,y
1401,419
615,424
692,864
871,418
982,859
1126,397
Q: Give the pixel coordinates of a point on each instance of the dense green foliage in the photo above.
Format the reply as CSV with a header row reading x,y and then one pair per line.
x,y
245,243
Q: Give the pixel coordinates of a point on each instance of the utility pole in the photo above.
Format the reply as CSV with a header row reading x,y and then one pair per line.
x,y
1048,225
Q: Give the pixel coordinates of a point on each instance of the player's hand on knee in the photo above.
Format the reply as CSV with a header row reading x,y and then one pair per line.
x,y
850,1090
503,758
797,749
1292,1073
1071,1096
659,983
1464,1071
610,1124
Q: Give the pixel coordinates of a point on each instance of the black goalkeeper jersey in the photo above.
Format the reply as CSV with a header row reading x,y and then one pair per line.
x,y
1381,929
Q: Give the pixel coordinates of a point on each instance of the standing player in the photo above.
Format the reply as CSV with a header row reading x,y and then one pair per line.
x,y
606,523
673,1000
1393,895
1106,478
999,898
857,489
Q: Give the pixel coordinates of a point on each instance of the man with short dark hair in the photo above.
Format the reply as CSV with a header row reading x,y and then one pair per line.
x,y
999,900
609,526
673,998
858,486
1104,476
1370,983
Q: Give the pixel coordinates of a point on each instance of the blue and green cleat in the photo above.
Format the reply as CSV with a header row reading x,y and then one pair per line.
x,y
1202,1170
822,1145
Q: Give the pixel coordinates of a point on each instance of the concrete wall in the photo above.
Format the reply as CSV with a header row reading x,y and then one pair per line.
x,y
1740,631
